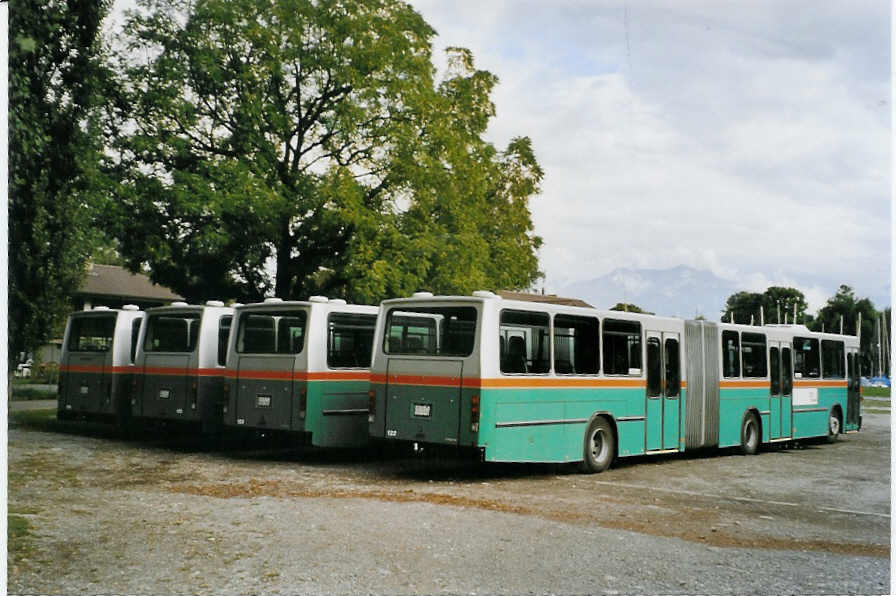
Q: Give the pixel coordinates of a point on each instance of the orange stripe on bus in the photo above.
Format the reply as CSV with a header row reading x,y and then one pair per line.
x,y
814,383
744,385
507,382
279,375
553,382
94,369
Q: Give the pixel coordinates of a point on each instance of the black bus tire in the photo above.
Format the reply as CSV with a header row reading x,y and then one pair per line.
x,y
835,425
750,434
599,446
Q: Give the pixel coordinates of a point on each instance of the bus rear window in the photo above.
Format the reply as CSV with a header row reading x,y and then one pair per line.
x,y
271,332
176,332
432,331
91,334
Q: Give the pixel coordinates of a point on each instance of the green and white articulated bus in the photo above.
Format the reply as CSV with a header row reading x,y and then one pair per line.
x,y
532,382
302,367
181,364
97,366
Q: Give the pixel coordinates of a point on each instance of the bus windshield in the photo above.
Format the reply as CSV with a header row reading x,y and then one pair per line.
x,y
430,331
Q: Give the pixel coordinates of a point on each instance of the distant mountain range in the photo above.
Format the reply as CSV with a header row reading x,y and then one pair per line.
x,y
686,292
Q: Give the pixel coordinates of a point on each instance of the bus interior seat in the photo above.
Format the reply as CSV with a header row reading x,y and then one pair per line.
x,y
516,355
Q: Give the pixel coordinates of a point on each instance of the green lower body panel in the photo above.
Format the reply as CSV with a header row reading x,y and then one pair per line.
x,y
337,413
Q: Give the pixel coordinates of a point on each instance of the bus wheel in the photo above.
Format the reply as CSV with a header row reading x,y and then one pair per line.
x,y
600,446
833,425
749,434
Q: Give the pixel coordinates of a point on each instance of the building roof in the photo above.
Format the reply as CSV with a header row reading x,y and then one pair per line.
x,y
112,280
548,298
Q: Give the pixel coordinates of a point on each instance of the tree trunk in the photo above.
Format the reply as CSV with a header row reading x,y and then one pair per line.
x,y
283,284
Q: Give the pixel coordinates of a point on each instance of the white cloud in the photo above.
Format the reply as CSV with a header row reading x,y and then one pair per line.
x,y
749,139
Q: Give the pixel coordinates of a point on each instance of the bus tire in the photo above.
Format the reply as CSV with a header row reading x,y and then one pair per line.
x,y
599,447
835,425
750,434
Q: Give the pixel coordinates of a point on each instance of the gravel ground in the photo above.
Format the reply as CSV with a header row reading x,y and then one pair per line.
x,y
168,516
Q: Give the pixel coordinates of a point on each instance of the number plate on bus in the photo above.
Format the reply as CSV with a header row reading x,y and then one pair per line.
x,y
422,410
164,393
263,401
84,390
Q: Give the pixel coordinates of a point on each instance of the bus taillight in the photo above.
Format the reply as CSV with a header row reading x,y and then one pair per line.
x,y
474,413
371,406
303,403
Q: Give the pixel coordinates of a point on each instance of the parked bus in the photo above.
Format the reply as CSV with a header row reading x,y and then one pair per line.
x,y
98,363
302,367
530,382
181,364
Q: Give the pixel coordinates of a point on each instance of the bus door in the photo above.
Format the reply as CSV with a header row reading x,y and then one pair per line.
x,y
88,383
90,360
662,414
853,391
423,399
775,429
780,390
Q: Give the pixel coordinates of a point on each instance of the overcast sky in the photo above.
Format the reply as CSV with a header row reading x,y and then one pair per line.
x,y
748,138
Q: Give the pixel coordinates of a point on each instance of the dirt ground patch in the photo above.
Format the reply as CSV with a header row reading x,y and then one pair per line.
x,y
170,515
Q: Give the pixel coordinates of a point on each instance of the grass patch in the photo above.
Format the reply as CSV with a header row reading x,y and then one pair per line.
x,y
875,391
30,394
37,419
17,534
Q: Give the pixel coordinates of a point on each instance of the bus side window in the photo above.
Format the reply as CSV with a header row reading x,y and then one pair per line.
x,y
223,337
752,347
832,359
730,354
622,347
528,341
135,331
806,361
576,342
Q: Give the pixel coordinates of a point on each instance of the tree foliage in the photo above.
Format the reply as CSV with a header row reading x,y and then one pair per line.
x,y
56,82
311,138
775,302
844,303
627,307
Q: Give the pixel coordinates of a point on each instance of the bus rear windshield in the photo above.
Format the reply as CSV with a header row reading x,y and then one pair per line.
x,y
91,334
430,331
271,332
175,332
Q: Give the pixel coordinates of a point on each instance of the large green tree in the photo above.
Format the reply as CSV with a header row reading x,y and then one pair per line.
x,y
310,139
845,304
775,303
56,82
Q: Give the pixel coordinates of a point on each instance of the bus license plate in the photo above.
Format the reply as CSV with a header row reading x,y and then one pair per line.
x,y
422,410
164,393
263,401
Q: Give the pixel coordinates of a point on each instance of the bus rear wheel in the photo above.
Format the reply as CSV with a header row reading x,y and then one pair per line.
x,y
600,446
749,434
833,425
